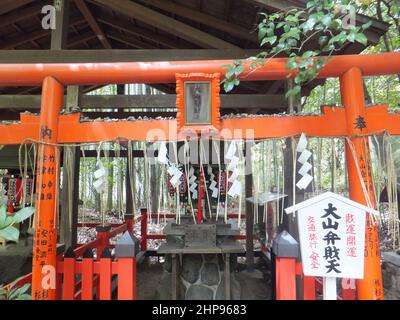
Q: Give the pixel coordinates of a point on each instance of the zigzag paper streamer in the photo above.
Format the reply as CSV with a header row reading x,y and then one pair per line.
x,y
235,188
306,166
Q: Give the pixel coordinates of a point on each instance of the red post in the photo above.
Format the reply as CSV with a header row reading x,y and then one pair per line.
x,y
87,275
105,275
285,278
127,278
286,251
352,91
69,275
44,247
309,288
143,229
129,222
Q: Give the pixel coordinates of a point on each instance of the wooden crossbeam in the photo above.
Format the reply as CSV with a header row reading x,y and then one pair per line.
x,y
22,14
10,5
128,40
90,56
177,28
203,18
162,101
30,37
128,27
83,8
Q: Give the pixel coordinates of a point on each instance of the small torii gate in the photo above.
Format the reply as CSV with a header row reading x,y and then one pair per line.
x,y
51,129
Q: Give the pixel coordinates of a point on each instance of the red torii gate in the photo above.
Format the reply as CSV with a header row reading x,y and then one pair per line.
x,y
50,128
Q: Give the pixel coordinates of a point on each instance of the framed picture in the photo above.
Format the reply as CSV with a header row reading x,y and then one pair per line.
x,y
198,101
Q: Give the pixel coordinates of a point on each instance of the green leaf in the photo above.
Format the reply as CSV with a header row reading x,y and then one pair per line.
x,y
239,70
228,86
23,214
309,24
291,64
322,41
270,40
361,38
351,37
326,21
262,32
10,233
293,92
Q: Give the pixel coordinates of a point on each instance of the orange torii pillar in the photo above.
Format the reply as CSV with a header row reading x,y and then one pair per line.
x,y
46,206
352,91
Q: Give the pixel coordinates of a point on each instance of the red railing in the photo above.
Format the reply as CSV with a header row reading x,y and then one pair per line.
x,y
101,242
286,272
96,277
92,271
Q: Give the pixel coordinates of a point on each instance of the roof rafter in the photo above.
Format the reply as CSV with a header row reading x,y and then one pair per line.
x,y
118,36
203,18
177,28
9,5
122,24
83,8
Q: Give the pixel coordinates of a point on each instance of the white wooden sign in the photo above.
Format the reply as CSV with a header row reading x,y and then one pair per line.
x,y
332,237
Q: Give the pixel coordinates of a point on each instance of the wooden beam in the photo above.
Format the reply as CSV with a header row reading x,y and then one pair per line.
x,y
277,5
83,8
90,56
10,5
27,38
128,27
80,38
118,36
22,14
24,38
165,23
203,18
162,101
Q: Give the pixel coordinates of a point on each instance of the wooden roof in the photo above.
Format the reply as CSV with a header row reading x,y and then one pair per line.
x,y
151,24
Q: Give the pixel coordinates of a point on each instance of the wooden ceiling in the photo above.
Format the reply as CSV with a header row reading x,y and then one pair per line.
x,y
150,24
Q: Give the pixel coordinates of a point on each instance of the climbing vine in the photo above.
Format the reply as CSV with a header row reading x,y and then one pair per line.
x,y
329,23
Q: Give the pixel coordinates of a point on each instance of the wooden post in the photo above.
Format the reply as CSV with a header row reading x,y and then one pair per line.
x,y
70,185
249,209
351,84
46,208
103,235
200,198
60,33
143,229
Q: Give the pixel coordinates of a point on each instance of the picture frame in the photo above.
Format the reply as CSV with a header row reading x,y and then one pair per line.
x,y
198,102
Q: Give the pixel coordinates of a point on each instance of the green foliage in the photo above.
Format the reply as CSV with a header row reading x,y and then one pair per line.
x,y
13,292
7,230
290,32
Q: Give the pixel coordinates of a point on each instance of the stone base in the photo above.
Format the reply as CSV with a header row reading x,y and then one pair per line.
x,y
201,277
391,275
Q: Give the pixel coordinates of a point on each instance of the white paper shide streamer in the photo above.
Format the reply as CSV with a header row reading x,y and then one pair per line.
x,y
235,188
305,165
